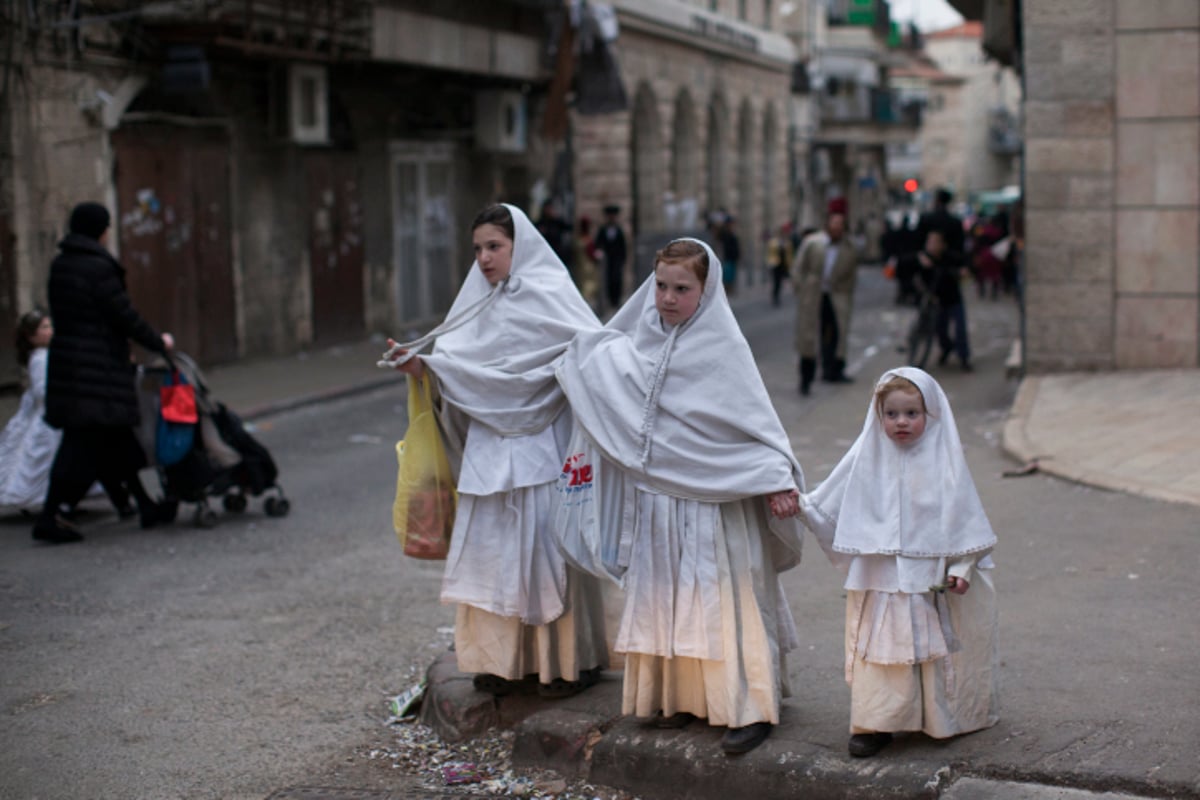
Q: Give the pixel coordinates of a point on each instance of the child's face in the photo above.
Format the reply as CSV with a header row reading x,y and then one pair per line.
x,y
676,292
493,251
903,414
44,333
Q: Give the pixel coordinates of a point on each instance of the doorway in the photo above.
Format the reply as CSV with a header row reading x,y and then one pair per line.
x,y
424,230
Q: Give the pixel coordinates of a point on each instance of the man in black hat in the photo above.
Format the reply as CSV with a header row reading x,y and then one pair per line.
x,y
611,241
90,391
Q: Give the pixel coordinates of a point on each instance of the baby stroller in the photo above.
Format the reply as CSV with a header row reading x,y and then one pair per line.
x,y
223,459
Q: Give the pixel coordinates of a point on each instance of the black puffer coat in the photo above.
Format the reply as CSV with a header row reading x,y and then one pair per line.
x,y
90,379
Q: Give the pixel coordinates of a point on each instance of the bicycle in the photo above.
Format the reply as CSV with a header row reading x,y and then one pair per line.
x,y
923,330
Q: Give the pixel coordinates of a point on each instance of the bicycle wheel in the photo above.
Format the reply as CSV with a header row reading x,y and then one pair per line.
x,y
920,339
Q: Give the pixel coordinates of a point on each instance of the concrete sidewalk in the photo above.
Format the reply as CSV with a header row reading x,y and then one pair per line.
x,y
1128,431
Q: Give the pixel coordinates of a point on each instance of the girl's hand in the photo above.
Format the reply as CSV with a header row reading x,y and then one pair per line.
x,y
784,504
957,585
414,367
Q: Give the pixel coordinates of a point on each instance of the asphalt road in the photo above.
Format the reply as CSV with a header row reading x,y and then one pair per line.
x,y
235,662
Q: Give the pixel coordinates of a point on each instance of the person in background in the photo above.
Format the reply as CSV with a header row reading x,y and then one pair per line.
x,y
824,275
779,259
610,240
556,232
586,273
90,392
731,253
28,444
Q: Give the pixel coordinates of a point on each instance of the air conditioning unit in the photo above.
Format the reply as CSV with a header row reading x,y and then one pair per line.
x,y
306,113
501,121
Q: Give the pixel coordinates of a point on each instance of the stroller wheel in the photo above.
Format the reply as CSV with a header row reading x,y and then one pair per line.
x,y
205,517
277,506
234,502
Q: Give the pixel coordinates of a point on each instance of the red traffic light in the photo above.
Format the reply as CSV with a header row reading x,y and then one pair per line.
x,y
911,185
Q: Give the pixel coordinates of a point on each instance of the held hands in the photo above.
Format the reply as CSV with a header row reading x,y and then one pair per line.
x,y
784,504
168,342
414,367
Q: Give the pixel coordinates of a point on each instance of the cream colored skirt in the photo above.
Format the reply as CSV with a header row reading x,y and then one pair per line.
x,y
504,646
754,631
940,697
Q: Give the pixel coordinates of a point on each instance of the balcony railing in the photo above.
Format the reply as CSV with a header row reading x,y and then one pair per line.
x,y
866,105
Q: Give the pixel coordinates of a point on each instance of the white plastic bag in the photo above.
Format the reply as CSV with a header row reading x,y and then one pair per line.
x,y
589,517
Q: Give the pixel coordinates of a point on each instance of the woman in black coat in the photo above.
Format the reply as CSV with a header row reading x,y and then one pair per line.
x,y
90,392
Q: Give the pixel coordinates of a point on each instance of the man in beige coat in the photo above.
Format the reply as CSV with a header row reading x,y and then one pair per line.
x,y
824,274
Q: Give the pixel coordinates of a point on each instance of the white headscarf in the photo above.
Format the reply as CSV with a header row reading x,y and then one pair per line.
x,y
495,353
916,501
682,408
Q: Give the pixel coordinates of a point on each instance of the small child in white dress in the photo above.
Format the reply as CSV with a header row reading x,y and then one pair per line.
x,y
28,444
900,516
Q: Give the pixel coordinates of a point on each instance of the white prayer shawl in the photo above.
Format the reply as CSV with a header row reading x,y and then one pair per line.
x,y
682,409
495,354
917,501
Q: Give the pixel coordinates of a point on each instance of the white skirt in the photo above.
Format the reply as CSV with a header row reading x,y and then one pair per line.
x,y
521,609
504,558
939,696
705,627
27,448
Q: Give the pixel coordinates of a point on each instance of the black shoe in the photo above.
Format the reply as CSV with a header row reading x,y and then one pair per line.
x,y
499,687
805,387
839,379
967,367
151,515
57,532
943,358
680,719
743,740
864,745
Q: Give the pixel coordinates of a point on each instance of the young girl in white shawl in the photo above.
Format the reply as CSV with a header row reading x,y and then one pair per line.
x,y
524,617
900,516
695,483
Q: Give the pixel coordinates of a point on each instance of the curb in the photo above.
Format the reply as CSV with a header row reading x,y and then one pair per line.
x,y
585,737
1018,444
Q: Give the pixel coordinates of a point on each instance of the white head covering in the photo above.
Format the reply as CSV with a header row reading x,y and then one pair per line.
x,y
495,353
916,500
682,408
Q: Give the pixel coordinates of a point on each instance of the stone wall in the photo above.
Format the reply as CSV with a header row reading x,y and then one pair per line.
x,y
60,156
746,92
1112,138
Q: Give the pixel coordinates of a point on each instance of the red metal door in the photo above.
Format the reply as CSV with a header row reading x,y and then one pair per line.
x,y
335,246
174,231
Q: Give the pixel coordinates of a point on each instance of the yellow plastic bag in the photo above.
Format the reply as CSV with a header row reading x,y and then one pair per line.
x,y
423,513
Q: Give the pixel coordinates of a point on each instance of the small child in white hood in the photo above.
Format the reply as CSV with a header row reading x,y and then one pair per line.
x,y
900,516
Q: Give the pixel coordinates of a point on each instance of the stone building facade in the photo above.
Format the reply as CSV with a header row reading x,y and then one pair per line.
x,y
961,147
1112,125
280,178
706,129
1112,177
